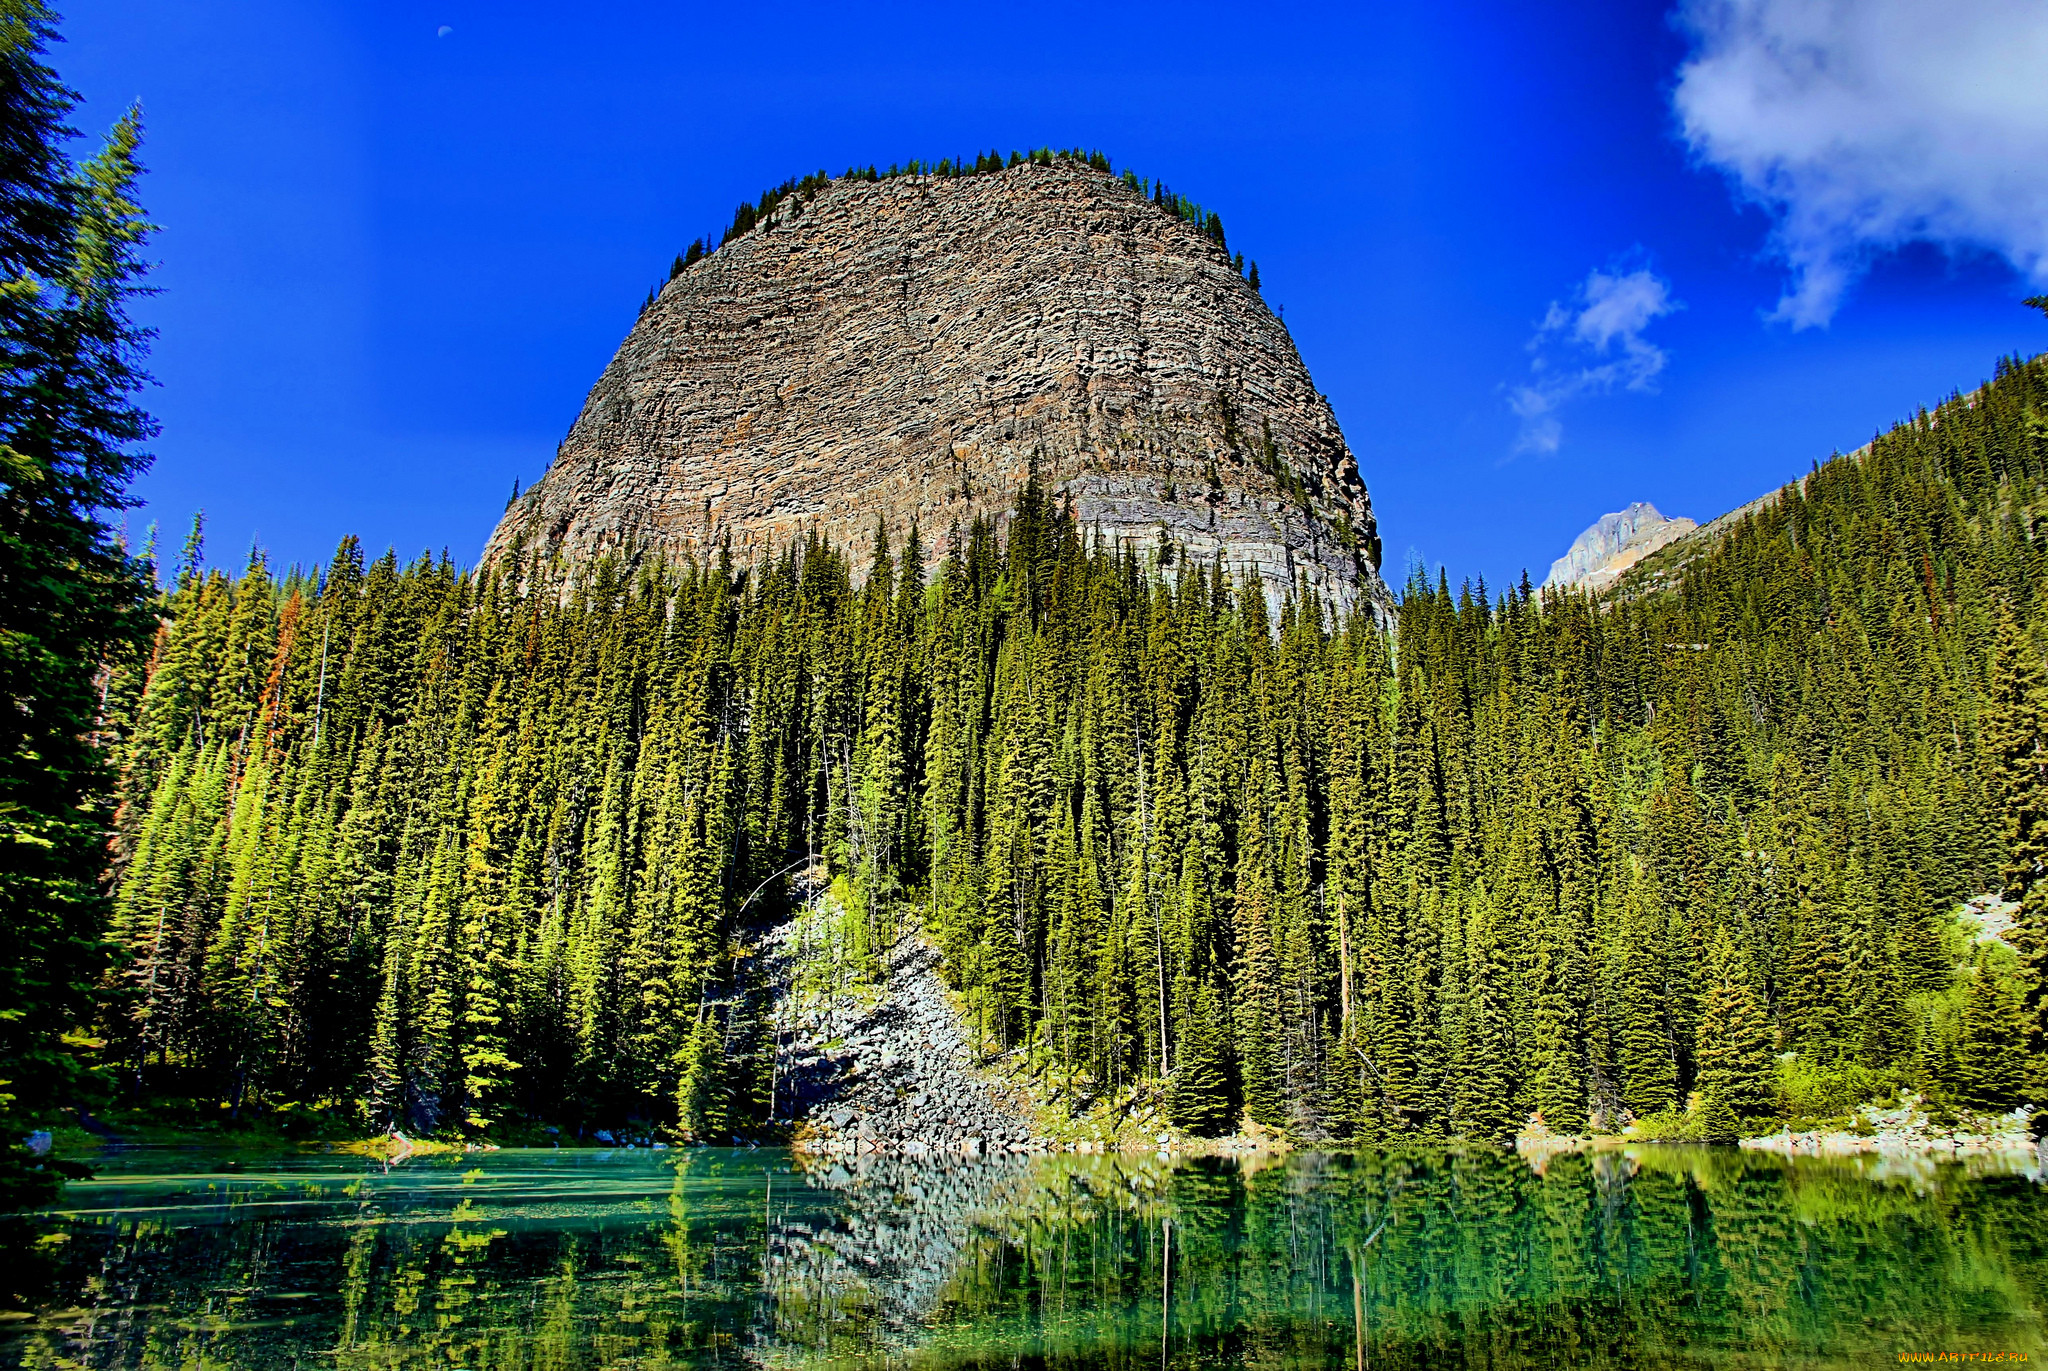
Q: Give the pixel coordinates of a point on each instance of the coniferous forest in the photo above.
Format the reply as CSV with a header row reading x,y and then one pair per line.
x,y
473,849
477,850
319,884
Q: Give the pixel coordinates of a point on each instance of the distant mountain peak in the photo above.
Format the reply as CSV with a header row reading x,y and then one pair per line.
x,y
1612,545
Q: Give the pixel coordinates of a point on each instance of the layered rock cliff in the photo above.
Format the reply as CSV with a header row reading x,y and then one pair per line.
x,y
1614,543
909,350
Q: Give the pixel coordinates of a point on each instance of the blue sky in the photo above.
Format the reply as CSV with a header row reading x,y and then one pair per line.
x,y
1544,259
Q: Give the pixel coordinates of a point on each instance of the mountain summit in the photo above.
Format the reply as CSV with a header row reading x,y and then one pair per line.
x,y
910,350
1612,545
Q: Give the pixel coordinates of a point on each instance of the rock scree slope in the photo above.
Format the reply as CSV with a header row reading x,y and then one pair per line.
x,y
893,1072
910,350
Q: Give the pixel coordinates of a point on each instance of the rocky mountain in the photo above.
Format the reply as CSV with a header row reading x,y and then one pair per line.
x,y
909,350
1613,544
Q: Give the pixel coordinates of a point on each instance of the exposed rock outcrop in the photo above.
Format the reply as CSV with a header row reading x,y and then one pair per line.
x,y
1612,545
889,1070
909,350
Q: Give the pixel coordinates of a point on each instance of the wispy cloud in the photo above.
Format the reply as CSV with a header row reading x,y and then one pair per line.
x,y
1591,345
1863,125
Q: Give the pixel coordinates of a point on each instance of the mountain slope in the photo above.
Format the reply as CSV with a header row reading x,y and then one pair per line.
x,y
1613,544
468,854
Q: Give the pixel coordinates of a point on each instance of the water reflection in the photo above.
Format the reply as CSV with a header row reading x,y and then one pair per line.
x,y
698,1258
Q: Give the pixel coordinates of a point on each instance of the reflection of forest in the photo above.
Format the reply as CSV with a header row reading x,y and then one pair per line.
x,y
1664,1258
866,1283
1658,1258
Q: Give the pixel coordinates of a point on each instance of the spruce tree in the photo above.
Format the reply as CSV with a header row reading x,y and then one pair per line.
x,y
70,596
1485,1108
1256,1000
1643,1048
1879,1030
1198,1097
1735,1039
1989,1064
2016,733
1923,955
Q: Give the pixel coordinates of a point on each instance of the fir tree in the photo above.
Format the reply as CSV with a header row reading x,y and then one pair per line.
x,y
70,361
1735,1040
1989,1058
2016,732
1485,1105
1643,1048
1198,1098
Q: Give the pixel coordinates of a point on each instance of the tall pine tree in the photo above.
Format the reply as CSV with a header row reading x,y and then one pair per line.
x,y
70,596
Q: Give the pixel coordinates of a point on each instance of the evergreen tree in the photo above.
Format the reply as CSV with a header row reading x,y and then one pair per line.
x,y
70,596
1197,1096
1735,1040
2016,732
1257,997
1485,1108
1923,956
1989,1058
1879,1030
1643,1048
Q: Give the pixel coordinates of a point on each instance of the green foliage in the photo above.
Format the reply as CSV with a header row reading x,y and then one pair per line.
x,y
1717,1120
1734,1039
1827,1088
2016,733
71,599
1679,1125
1198,1097
473,849
1989,1064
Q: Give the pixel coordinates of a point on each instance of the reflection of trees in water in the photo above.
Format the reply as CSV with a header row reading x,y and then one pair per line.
x,y
1669,1258
398,1277
865,1282
1381,1260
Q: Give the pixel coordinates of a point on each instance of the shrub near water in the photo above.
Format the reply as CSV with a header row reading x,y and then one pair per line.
x,y
1808,1088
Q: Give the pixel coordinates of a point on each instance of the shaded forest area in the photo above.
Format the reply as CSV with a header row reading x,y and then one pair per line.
x,y
473,850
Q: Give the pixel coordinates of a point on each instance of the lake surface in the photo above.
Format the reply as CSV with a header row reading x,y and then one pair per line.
x,y
573,1259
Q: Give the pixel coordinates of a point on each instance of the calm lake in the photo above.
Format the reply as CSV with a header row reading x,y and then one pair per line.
x,y
560,1259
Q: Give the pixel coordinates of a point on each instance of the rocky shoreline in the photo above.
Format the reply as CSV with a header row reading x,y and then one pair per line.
x,y
892,1070
1904,1131
1908,1129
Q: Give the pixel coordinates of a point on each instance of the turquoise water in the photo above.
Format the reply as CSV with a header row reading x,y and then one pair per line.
x,y
556,1259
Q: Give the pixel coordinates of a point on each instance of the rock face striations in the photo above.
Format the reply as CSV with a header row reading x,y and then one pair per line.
x,y
1614,543
911,349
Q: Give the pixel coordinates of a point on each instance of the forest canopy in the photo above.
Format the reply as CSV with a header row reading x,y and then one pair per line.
x,y
464,850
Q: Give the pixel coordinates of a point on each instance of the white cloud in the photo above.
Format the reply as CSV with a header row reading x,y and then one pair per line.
x,y
1862,125
1590,347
